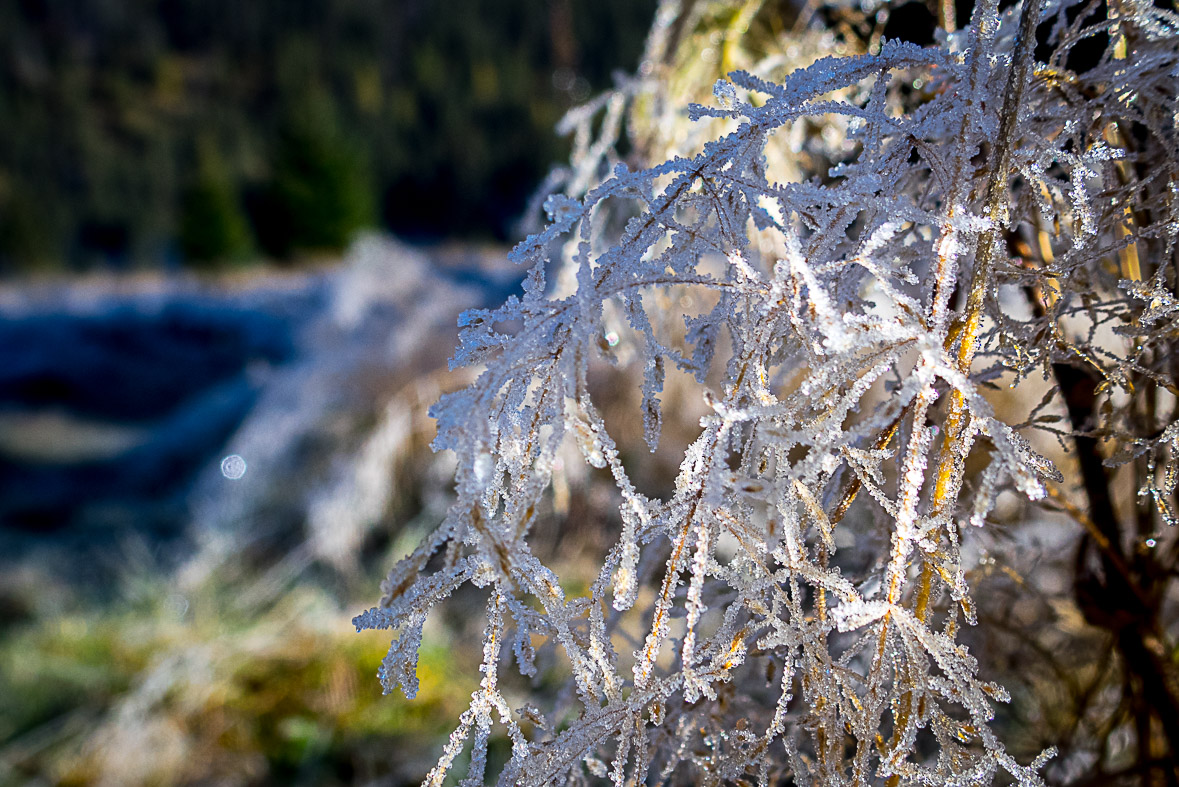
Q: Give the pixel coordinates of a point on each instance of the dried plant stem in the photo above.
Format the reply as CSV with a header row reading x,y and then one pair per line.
x,y
816,644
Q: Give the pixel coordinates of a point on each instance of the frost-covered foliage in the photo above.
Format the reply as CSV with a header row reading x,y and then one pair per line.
x,y
858,252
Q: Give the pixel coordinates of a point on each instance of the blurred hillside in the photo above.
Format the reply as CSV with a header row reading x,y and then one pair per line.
x,y
163,622
141,133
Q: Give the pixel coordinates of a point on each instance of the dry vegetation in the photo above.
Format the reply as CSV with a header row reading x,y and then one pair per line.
x,y
861,573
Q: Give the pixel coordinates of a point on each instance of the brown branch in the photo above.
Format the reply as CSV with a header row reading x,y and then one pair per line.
x,y
1114,601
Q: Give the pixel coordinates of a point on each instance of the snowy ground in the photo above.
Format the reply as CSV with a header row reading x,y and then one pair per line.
x,y
120,398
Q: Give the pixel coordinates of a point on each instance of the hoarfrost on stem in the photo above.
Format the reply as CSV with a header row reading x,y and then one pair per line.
x,y
823,637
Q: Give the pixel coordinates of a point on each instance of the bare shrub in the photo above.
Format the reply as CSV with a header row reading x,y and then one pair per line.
x,y
845,263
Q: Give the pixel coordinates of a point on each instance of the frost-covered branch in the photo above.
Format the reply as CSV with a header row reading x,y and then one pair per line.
x,y
829,263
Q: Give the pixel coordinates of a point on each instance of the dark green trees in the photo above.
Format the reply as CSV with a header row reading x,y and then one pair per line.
x,y
213,228
320,193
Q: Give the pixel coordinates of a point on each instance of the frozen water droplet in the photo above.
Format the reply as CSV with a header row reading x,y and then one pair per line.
x,y
233,467
1151,543
725,92
612,338
484,466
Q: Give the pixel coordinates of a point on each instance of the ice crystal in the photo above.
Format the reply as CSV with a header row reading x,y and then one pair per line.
x,y
847,230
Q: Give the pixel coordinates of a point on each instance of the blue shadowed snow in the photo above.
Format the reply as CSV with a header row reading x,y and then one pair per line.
x,y
131,363
117,409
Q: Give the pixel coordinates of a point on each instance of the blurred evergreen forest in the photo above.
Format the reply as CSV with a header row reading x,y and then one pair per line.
x,y
148,133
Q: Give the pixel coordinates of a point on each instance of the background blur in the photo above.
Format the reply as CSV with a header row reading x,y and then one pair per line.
x,y
149,133
247,229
